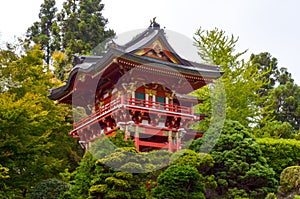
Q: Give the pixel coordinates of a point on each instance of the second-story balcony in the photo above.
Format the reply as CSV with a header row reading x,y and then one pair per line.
x,y
114,103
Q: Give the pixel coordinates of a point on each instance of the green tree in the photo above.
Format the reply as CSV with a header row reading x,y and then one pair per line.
x,y
96,179
280,98
241,79
180,181
276,129
239,163
284,100
7,56
83,26
203,162
82,177
267,65
34,145
46,31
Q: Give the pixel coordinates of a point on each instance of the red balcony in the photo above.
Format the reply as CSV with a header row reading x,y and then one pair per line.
x,y
113,103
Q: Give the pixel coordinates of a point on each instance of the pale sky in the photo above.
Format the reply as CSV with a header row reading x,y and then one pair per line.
x,y
261,25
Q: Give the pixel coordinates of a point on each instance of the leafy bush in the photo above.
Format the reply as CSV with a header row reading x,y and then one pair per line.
x,y
271,196
290,180
236,193
49,189
239,162
178,182
280,153
202,161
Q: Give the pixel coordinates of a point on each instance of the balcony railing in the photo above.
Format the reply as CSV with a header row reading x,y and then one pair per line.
x,y
114,102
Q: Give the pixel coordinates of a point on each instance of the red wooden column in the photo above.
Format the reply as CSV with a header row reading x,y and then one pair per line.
x,y
137,139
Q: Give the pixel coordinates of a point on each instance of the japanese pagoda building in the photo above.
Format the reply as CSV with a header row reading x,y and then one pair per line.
x,y
142,88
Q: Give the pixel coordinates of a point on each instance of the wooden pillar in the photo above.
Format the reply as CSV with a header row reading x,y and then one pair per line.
x,y
167,103
146,100
132,97
127,132
170,143
178,141
137,139
153,101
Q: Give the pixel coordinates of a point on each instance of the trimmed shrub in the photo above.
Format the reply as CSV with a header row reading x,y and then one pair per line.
x,y
290,180
180,181
280,153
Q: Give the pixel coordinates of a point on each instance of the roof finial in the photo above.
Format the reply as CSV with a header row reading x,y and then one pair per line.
x,y
154,24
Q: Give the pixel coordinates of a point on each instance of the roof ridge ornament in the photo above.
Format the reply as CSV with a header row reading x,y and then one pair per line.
x,y
153,23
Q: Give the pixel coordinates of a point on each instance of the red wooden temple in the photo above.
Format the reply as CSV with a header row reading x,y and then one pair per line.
x,y
142,88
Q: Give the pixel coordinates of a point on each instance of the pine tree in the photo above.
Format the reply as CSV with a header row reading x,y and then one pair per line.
x,y
266,65
83,26
46,31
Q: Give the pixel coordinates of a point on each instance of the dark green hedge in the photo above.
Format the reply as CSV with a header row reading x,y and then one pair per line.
x,y
280,153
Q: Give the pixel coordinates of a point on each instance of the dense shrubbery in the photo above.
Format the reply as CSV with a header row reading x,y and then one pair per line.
x,y
180,182
239,163
280,153
235,168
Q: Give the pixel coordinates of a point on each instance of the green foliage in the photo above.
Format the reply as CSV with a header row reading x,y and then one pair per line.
x,y
271,196
275,129
81,178
4,174
267,65
217,48
62,65
46,31
236,193
285,100
49,189
104,145
78,28
32,143
241,79
279,103
239,162
180,181
96,179
290,180
280,153
202,161
134,162
83,26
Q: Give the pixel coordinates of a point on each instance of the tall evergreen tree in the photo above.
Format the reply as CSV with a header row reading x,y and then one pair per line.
x,y
46,31
285,103
281,97
266,65
83,25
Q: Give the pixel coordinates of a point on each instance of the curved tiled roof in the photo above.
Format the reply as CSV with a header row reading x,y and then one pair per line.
x,y
128,51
